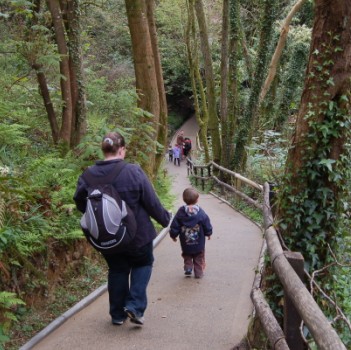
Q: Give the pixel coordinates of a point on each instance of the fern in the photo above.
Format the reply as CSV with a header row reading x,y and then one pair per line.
x,y
8,301
13,134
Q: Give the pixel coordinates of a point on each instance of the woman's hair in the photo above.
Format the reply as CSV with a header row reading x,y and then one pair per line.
x,y
190,196
112,142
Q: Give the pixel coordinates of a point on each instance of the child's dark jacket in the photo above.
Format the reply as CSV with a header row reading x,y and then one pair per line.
x,y
191,230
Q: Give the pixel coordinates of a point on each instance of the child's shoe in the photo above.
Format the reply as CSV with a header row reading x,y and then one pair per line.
x,y
188,272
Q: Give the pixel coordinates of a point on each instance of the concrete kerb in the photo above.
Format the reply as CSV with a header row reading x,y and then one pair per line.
x,y
79,306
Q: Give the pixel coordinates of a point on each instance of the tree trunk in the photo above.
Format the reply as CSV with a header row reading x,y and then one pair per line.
x,y
145,75
201,113
233,103
79,112
213,123
317,167
249,119
163,119
65,81
44,91
39,69
224,85
280,46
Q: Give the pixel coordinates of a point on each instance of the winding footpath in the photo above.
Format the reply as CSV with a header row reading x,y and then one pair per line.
x,y
183,313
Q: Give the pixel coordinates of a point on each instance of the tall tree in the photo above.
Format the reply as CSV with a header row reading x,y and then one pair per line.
x,y
71,15
318,161
148,76
65,23
235,36
213,123
33,57
249,118
224,85
199,96
163,118
65,81
279,48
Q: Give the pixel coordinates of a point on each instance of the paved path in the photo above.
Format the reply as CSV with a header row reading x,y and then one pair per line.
x,y
183,313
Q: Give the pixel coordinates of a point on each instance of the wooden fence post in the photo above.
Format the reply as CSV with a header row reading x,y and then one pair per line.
x,y
292,319
238,187
202,180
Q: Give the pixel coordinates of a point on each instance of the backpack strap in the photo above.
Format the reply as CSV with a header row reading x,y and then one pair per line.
x,y
100,180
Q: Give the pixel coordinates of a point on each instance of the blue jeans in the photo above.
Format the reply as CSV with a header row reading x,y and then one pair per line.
x,y
128,277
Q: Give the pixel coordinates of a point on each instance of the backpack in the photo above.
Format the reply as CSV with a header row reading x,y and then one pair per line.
x,y
108,223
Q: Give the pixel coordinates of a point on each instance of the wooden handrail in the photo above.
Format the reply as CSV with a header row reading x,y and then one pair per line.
x,y
192,170
238,176
321,330
238,193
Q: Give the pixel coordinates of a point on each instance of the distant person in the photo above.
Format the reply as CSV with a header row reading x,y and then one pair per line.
x,y
187,147
170,153
180,138
192,225
176,155
129,272
180,142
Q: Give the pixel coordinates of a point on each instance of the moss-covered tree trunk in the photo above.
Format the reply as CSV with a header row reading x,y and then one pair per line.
x,y
146,80
73,29
163,118
249,118
224,84
213,122
200,101
233,96
318,163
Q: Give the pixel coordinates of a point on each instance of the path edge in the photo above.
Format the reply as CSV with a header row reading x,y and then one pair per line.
x,y
59,321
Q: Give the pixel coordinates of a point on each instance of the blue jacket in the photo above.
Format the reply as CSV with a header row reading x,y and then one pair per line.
x,y
191,230
176,152
136,190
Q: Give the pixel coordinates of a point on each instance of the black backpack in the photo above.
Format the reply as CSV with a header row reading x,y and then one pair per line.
x,y
108,223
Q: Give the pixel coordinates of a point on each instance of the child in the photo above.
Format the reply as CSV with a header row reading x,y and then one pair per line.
x,y
176,155
170,153
192,224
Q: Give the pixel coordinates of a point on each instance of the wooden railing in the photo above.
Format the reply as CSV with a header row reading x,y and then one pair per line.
x,y
299,304
235,186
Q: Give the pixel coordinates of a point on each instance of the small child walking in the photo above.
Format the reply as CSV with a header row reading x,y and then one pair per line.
x,y
170,153
192,225
176,155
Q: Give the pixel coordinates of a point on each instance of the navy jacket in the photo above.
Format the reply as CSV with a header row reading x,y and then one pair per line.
x,y
136,190
191,230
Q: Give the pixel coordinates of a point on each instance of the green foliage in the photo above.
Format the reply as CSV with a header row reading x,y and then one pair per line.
x,y
249,115
292,75
8,304
314,203
312,214
266,157
170,23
